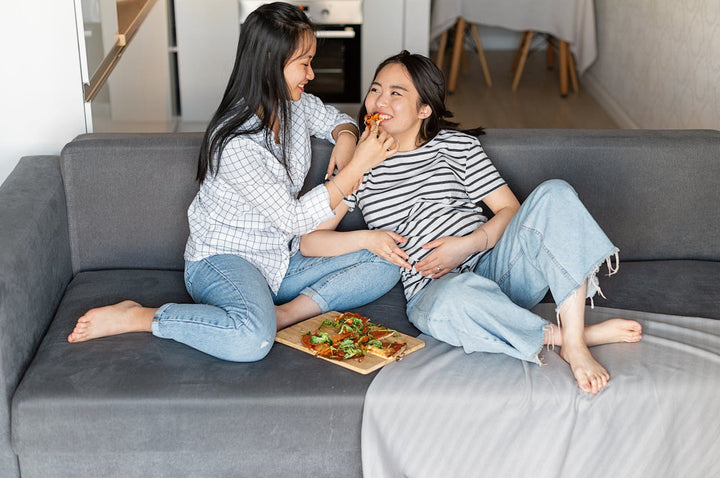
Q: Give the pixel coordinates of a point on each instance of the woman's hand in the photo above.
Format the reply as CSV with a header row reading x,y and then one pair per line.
x,y
374,148
342,153
384,244
449,252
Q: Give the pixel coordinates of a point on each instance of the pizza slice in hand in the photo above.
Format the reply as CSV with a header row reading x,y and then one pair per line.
x,y
373,120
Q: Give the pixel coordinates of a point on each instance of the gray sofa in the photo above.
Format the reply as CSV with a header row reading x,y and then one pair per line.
x,y
106,220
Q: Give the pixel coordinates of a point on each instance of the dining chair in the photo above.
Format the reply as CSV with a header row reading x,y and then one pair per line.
x,y
566,63
460,28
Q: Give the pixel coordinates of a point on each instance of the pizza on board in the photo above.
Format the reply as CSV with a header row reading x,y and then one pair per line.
x,y
351,335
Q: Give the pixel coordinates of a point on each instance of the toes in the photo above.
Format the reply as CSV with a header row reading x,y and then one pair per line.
x,y
584,383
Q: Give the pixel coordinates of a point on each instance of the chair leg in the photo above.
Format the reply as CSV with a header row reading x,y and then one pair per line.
x,y
481,54
573,72
457,52
563,68
518,54
550,57
527,39
441,51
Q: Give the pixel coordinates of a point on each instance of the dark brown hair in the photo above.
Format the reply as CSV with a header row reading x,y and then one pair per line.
x,y
268,38
429,82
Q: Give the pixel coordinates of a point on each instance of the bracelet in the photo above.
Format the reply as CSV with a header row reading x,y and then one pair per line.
x,y
348,131
487,239
332,180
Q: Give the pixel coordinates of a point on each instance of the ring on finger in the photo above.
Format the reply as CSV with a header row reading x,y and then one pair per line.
x,y
438,268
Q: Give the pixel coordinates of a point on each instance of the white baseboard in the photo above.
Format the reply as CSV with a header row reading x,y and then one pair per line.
x,y
616,112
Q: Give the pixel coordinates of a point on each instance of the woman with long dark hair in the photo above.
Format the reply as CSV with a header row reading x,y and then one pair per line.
x,y
243,268
469,280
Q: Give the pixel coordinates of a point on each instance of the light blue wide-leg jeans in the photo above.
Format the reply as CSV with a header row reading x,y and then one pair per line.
x,y
233,317
551,243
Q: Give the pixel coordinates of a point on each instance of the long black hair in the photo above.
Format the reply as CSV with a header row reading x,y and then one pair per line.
x,y
268,39
429,82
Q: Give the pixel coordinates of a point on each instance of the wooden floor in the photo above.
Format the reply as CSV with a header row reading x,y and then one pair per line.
x,y
536,103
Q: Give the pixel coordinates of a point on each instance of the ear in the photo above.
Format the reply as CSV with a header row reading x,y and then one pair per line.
x,y
425,111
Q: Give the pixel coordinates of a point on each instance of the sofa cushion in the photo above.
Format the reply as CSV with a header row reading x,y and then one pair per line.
x,y
686,288
127,198
138,394
128,194
653,192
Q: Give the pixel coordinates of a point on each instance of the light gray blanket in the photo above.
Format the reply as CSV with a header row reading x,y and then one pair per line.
x,y
441,412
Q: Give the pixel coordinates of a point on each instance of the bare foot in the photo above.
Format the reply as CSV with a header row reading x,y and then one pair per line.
x,y
607,332
589,374
300,308
120,318
612,331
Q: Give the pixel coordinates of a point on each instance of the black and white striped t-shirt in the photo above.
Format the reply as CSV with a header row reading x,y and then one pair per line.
x,y
429,193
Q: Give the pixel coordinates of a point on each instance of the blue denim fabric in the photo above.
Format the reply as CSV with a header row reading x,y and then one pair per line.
x,y
551,243
338,283
233,317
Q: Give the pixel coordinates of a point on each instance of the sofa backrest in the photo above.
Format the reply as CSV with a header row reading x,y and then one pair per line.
x,y
127,197
128,194
655,193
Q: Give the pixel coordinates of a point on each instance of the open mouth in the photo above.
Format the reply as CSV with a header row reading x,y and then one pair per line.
x,y
376,118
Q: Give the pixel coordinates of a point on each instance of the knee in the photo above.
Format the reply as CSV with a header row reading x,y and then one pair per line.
x,y
384,270
555,187
552,193
246,347
250,340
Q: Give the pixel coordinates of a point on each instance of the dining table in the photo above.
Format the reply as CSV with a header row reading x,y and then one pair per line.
x,y
569,21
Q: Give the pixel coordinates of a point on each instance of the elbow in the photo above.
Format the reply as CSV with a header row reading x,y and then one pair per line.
x,y
305,246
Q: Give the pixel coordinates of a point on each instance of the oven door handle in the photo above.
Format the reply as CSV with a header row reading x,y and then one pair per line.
x,y
335,33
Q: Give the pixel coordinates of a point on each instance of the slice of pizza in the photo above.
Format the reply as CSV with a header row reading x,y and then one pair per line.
x,y
386,349
373,120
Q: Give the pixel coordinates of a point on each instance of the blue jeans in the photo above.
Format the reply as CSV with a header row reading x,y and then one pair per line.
x,y
551,243
233,317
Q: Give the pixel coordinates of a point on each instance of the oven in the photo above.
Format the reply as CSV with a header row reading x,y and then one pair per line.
x,y
338,57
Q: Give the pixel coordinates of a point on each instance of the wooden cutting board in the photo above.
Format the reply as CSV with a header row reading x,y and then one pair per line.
x,y
292,335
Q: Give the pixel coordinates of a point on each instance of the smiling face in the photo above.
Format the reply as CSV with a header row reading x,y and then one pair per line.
x,y
297,70
394,96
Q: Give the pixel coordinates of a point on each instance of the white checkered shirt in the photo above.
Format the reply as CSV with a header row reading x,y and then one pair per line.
x,y
250,207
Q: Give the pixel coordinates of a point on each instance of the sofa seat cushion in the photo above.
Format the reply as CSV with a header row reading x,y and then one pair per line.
x,y
135,393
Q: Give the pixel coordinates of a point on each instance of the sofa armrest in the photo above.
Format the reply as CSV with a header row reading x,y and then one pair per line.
x,y
34,272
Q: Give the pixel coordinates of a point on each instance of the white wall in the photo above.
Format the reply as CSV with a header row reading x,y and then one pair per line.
x,y
659,62
41,103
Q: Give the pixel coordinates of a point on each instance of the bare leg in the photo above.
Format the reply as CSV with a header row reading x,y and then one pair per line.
x,y
300,308
120,318
589,374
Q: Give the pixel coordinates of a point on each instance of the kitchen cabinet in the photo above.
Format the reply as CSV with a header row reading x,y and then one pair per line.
x,y
390,26
207,33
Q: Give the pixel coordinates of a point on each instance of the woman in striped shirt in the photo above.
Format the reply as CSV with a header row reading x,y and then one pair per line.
x,y
469,280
